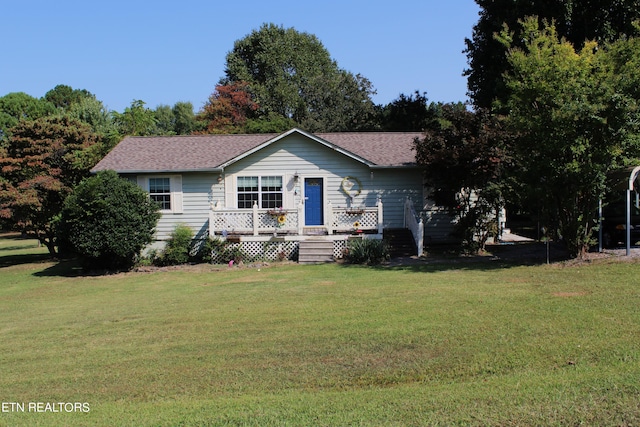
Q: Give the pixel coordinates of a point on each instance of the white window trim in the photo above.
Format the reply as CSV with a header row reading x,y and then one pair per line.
x,y
260,192
175,185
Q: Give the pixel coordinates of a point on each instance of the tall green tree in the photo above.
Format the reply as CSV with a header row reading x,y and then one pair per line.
x,y
576,20
44,160
165,120
292,75
63,96
576,121
407,113
136,120
184,118
341,105
91,111
176,120
18,106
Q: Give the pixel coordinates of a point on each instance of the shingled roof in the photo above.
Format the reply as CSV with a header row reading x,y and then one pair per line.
x,y
213,152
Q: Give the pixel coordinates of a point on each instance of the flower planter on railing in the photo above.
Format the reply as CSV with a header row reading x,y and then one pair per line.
x,y
355,211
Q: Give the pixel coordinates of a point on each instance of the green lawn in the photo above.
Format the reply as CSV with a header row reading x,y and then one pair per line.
x,y
325,345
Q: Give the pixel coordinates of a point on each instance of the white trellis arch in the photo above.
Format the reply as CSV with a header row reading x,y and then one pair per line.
x,y
632,177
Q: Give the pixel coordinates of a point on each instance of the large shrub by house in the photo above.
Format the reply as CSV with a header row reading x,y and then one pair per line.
x,y
107,221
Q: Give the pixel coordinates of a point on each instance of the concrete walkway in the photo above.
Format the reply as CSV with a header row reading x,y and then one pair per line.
x,y
509,237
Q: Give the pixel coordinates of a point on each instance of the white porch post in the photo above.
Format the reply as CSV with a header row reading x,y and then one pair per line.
x,y
329,219
255,219
420,242
380,219
300,218
406,211
211,222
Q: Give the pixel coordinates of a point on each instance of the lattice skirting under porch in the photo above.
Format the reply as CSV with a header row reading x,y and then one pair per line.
x,y
273,251
339,247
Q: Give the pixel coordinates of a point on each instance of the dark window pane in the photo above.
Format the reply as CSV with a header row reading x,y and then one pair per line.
x,y
159,185
246,200
271,200
163,200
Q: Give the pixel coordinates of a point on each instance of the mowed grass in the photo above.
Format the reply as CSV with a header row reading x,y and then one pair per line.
x,y
324,345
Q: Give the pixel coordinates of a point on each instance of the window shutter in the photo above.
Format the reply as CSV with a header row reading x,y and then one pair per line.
x,y
143,183
229,192
176,194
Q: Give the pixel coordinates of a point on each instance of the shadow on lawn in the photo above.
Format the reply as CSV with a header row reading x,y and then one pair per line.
x,y
10,260
497,257
17,242
63,268
60,268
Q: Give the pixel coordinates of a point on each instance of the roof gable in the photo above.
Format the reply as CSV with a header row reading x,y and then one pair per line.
x,y
306,134
215,152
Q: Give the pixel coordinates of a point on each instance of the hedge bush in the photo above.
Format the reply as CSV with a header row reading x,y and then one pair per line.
x,y
107,221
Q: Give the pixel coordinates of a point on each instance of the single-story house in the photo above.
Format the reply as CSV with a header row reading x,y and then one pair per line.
x,y
261,190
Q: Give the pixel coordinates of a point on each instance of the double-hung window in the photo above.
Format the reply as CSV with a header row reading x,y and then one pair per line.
x,y
248,191
165,190
160,192
271,192
265,191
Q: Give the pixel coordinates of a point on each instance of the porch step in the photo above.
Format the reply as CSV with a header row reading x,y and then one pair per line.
x,y
314,231
315,251
400,241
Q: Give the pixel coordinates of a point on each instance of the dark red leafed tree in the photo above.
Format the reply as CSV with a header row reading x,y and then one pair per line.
x,y
44,160
228,109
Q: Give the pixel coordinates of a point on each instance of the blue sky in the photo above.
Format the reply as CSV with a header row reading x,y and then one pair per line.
x,y
163,52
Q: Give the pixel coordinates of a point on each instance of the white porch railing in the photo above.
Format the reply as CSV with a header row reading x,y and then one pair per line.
x,y
416,226
291,221
355,218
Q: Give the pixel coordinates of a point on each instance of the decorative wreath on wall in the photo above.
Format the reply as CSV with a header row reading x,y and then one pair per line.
x,y
351,186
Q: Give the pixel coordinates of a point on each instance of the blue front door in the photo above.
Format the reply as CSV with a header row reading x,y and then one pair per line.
x,y
313,201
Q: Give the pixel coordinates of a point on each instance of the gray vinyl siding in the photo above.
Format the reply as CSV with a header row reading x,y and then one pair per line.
x,y
394,186
438,225
295,154
199,191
